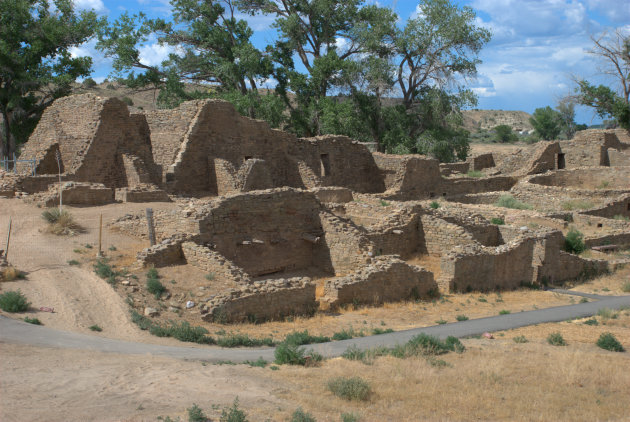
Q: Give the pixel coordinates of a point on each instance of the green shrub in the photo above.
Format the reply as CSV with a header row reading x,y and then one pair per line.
x,y
195,414
182,331
607,313
345,334
354,388
555,339
620,217
508,201
435,205
110,86
461,318
11,274
74,262
504,312
153,273
127,101
290,354
520,339
377,331
210,276
384,203
13,301
103,269
497,221
574,241
259,363
155,287
591,321
474,173
303,337
95,328
609,342
33,321
576,204
242,340
625,287
301,416
441,321
233,414
88,83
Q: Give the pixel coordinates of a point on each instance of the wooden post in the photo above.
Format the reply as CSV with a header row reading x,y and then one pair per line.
x,y
6,252
100,236
150,224
58,156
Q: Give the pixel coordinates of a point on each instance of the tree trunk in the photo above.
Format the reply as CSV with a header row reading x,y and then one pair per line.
x,y
5,138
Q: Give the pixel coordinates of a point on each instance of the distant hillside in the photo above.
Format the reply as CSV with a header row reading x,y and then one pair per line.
x,y
488,119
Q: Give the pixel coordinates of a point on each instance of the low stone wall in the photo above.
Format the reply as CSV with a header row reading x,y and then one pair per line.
x,y
141,194
446,169
620,239
440,236
343,245
264,301
76,193
213,263
481,161
386,279
619,206
333,194
618,158
168,252
451,187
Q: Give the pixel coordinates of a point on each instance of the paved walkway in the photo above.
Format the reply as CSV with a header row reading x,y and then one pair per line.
x,y
16,331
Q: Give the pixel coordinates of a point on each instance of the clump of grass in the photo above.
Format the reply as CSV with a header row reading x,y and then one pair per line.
x,y
95,328
303,337
74,262
574,241
607,313
61,222
441,321
461,318
349,417
556,339
576,204
259,363
482,299
508,201
504,312
625,287
13,301
105,271
182,331
609,342
301,416
233,413
33,321
242,340
620,217
497,221
520,339
195,414
11,274
384,203
591,321
154,285
347,334
435,205
474,173
354,388
210,276
289,354
377,331
112,248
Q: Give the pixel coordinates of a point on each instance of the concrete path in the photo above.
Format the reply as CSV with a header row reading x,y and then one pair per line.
x,y
16,331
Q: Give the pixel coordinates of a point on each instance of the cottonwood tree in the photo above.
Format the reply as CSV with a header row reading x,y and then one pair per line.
x,y
36,64
546,122
614,54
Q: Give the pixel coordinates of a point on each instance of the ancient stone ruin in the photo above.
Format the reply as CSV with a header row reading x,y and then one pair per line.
x,y
301,223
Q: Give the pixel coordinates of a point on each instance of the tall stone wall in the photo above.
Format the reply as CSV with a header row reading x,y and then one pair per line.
x,y
213,263
386,279
441,236
344,246
409,176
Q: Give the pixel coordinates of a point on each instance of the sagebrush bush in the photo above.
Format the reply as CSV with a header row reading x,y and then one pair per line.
x,y
608,341
301,416
11,274
61,222
290,354
233,413
508,201
195,414
497,221
33,321
474,173
353,388
520,339
155,287
242,340
303,337
625,287
556,339
435,205
13,301
574,241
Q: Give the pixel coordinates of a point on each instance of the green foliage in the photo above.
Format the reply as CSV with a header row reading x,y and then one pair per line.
x,y
303,337
242,340
74,262
61,222
289,354
301,416
625,287
605,102
503,133
497,221
95,328
577,204
33,321
609,342
13,301
547,123
258,363
435,205
105,271
36,64
349,417
607,313
127,101
353,388
88,83
574,241
591,321
195,414
377,331
461,318
504,312
508,201
474,173
182,331
233,413
520,339
441,321
556,339
155,287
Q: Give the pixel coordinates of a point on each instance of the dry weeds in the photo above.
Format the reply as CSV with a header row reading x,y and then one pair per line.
x,y
10,274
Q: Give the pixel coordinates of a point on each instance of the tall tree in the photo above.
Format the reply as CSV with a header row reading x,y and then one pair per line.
x,y
566,114
36,65
546,122
614,54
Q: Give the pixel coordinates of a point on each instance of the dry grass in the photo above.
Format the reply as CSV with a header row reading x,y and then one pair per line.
x,y
610,284
492,380
10,274
61,223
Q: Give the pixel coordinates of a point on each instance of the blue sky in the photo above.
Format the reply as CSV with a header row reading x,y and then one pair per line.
x,y
537,45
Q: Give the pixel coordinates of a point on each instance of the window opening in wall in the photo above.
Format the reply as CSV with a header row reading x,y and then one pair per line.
x,y
561,162
432,195
248,157
325,165
628,206
600,225
444,194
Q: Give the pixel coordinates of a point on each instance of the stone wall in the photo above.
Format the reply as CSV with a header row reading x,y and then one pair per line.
x,y
264,301
446,169
141,193
409,176
618,206
166,253
619,239
213,263
344,246
481,161
440,236
334,195
386,279
618,158
75,193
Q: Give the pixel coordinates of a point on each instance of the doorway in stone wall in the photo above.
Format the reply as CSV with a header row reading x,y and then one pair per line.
x,y
325,165
561,162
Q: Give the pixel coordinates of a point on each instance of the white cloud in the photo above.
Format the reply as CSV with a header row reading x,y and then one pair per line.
x,y
97,5
615,10
154,54
162,7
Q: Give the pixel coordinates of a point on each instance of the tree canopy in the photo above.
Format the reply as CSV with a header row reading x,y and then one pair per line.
x,y
547,123
36,65
338,66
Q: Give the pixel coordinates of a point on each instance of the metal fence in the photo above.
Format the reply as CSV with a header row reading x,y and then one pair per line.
x,y
7,164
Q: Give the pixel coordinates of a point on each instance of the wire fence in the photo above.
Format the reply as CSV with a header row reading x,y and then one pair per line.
x,y
12,165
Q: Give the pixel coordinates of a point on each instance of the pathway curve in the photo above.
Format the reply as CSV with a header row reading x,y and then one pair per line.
x,y
16,331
